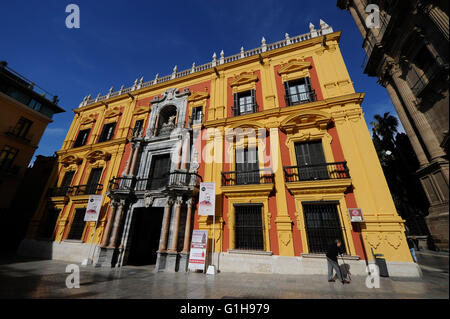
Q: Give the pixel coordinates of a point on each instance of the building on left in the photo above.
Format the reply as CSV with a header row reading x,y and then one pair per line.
x,y
27,109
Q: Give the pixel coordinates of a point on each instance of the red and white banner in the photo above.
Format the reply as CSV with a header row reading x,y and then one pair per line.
x,y
93,208
197,255
207,199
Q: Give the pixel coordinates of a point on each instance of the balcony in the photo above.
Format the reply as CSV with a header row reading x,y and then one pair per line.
x,y
262,176
172,180
300,98
420,81
90,189
11,132
315,172
245,109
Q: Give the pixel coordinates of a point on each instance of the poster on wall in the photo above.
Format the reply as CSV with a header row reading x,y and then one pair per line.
x,y
197,255
356,215
207,199
93,208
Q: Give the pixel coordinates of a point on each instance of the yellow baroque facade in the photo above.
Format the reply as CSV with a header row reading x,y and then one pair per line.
x,y
281,132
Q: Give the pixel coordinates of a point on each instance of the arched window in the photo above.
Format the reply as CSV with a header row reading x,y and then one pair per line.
x,y
167,120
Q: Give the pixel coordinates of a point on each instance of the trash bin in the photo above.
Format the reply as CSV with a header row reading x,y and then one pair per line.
x,y
381,263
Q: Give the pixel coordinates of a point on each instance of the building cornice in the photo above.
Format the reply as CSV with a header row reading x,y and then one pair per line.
x,y
244,57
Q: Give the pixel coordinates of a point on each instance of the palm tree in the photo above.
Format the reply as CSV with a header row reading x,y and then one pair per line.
x,y
384,130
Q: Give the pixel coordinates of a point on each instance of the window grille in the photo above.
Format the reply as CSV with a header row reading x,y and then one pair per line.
x,y
245,103
299,91
249,227
77,227
322,226
48,227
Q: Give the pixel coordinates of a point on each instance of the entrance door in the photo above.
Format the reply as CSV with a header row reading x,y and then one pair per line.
x,y
145,236
311,161
159,173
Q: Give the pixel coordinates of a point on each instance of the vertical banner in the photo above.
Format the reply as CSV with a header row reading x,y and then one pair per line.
x,y
197,255
207,199
93,208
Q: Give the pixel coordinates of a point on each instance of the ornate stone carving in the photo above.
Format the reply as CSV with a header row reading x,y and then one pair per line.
x,y
98,155
285,238
70,159
294,66
88,119
393,239
373,239
243,78
113,112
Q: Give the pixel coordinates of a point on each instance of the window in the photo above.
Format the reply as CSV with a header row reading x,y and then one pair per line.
x,y
159,173
299,91
82,138
322,226
48,226
22,127
249,227
245,103
107,132
138,127
35,105
247,166
197,114
311,161
77,227
7,156
65,184
94,179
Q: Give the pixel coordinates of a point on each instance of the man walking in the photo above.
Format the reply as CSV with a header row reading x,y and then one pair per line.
x,y
333,251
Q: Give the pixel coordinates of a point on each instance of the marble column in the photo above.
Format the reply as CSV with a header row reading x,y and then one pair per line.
x,y
359,21
178,203
407,125
117,220
105,240
439,18
420,121
186,151
135,156
165,230
187,230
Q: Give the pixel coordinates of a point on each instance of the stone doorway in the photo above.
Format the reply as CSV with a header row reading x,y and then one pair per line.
x,y
145,236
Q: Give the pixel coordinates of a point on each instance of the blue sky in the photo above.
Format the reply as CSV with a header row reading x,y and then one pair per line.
x,y
119,41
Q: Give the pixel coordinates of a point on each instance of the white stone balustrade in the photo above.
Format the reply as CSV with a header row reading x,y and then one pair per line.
x,y
324,29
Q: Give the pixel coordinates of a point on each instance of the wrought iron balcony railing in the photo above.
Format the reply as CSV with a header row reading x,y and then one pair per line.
x,y
300,98
245,109
24,137
90,189
259,176
59,191
171,180
338,170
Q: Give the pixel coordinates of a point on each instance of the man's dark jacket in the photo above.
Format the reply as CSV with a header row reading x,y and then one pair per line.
x,y
333,251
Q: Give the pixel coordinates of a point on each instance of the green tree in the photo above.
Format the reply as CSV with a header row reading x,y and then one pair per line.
x,y
399,165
